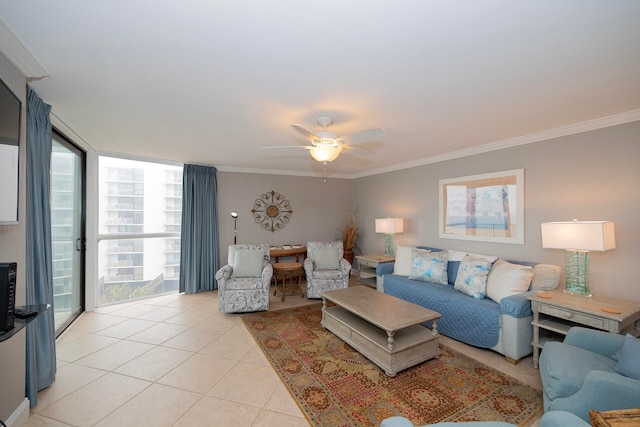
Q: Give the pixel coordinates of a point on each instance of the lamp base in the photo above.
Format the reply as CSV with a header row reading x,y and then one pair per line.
x,y
577,272
388,245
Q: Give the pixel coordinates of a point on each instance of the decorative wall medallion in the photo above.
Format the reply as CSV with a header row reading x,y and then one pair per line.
x,y
272,211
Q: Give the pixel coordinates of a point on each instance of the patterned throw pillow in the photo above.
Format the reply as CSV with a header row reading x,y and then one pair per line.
x,y
404,258
472,276
429,266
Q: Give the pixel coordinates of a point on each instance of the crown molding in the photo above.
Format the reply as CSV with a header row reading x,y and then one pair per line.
x,y
603,122
19,55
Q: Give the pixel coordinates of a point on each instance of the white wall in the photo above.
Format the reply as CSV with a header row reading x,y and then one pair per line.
x,y
590,176
13,249
318,208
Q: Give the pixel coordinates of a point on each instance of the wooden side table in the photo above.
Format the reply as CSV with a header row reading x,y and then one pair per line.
x,y
288,270
555,312
367,268
620,418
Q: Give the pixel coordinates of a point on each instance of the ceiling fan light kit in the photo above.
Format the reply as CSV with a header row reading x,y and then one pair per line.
x,y
325,154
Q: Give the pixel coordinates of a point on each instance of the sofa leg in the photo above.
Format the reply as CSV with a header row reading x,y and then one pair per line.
x,y
512,360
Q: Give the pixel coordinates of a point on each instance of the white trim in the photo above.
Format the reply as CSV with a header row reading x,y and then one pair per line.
x,y
20,416
17,52
603,122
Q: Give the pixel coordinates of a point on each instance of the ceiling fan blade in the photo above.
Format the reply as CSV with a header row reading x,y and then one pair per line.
x,y
355,147
362,136
306,147
304,132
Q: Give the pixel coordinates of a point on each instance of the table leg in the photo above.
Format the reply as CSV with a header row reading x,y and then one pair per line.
x,y
390,339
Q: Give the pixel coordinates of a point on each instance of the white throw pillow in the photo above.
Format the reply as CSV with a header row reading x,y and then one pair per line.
x,y
402,266
472,276
545,277
326,259
458,255
247,263
507,279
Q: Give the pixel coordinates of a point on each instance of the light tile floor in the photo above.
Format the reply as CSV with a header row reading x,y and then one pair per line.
x,y
175,361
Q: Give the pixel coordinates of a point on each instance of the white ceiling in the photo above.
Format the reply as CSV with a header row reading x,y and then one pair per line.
x,y
211,82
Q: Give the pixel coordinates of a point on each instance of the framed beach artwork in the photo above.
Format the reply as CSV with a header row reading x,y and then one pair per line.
x,y
487,207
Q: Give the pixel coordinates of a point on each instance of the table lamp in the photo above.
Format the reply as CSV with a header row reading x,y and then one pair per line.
x,y
389,226
578,238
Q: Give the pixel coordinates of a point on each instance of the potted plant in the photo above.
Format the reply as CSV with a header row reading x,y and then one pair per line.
x,y
350,229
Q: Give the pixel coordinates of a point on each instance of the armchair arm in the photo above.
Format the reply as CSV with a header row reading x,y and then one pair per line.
x,y
267,273
345,266
602,391
600,342
562,419
308,267
224,273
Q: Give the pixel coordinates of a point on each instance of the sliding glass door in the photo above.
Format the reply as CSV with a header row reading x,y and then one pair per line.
x,y
67,230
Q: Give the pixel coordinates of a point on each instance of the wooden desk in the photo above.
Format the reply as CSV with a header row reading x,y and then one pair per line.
x,y
296,251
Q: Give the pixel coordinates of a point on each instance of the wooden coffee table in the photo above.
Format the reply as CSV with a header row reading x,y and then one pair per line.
x,y
385,329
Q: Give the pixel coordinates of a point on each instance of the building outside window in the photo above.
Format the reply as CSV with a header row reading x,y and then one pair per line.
x,y
140,211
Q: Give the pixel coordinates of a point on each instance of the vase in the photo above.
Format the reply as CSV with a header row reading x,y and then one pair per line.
x,y
348,255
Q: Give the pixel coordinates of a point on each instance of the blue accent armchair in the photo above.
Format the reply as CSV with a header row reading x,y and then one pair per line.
x,y
580,374
550,419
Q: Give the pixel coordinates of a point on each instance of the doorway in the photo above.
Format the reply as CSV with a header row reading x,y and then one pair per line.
x,y
68,195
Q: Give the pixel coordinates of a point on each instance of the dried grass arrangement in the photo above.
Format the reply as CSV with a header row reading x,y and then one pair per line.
x,y
350,228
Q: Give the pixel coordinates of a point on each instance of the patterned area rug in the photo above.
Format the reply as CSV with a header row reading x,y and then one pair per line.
x,y
337,386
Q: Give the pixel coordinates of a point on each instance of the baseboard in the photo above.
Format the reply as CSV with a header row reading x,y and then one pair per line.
x,y
20,415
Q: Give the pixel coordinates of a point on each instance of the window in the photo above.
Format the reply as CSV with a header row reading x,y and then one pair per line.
x,y
140,212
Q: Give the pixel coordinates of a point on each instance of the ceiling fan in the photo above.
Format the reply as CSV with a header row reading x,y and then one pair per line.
x,y
326,146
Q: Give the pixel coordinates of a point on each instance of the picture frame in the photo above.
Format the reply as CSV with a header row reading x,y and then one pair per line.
x,y
486,207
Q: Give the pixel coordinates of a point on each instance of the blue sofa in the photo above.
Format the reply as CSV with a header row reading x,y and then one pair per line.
x,y
590,370
504,327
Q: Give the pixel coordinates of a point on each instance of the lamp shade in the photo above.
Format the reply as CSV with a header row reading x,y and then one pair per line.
x,y
579,235
325,154
389,225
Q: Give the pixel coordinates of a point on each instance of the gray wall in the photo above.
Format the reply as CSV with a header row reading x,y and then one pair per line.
x,y
590,176
318,208
12,249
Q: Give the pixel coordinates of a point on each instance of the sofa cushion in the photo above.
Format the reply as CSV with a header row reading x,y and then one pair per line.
x,y
628,357
326,259
472,276
561,375
429,266
507,279
545,277
247,263
404,258
473,321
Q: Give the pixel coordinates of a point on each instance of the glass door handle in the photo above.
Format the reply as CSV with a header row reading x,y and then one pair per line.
x,y
81,244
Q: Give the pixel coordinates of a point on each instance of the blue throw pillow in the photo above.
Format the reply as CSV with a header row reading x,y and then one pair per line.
x,y
628,359
429,266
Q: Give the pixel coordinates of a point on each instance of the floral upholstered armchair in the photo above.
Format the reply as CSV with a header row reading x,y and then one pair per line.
x,y
325,267
243,284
